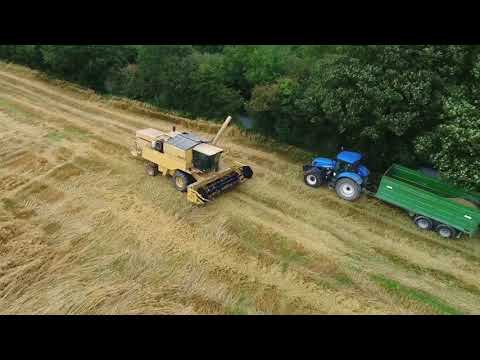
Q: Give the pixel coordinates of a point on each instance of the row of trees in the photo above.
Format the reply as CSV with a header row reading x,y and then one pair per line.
x,y
408,104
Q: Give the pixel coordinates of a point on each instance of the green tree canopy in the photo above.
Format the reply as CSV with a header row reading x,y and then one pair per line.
x,y
88,65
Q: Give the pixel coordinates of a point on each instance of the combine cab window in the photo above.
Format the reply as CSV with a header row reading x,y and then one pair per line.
x,y
206,163
158,145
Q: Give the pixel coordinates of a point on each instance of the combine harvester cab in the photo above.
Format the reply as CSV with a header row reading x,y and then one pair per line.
x,y
193,163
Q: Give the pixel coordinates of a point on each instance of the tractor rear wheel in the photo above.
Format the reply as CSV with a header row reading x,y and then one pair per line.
x,y
151,169
313,179
446,231
181,181
348,190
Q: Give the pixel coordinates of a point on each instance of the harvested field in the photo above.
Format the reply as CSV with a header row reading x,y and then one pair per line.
x,y
84,231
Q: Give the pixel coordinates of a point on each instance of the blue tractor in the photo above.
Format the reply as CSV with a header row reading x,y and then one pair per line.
x,y
346,174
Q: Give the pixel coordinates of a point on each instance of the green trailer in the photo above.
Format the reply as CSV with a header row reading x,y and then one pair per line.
x,y
432,203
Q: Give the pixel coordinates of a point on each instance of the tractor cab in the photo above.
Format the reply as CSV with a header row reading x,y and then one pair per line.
x,y
348,161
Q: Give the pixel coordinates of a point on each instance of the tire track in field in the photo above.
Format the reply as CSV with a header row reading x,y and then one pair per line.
x,y
48,91
362,242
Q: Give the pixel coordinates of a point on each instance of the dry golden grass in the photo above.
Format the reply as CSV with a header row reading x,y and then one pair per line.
x,y
84,231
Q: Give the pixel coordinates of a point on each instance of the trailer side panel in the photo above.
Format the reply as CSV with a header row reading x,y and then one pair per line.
x,y
423,195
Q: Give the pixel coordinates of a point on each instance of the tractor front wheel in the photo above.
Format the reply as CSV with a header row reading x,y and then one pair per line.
x,y
313,179
348,190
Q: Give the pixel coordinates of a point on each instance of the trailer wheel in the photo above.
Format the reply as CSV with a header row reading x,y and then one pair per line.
x,y
151,169
348,190
423,223
446,231
181,181
313,179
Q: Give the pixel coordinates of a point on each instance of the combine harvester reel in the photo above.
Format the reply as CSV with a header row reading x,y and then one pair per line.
x,y
203,192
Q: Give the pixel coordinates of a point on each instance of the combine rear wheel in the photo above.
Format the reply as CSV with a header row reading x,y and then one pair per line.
x,y
181,181
151,169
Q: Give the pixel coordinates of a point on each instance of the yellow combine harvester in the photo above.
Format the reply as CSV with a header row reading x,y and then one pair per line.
x,y
193,163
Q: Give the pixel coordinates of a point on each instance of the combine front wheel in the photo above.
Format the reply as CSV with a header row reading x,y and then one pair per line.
x,y
181,181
